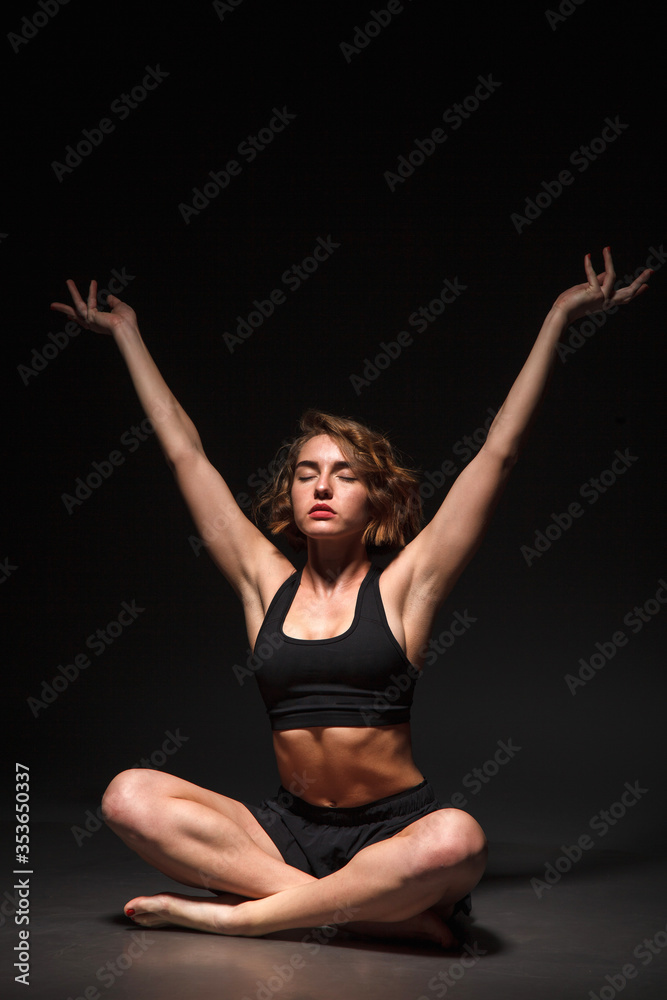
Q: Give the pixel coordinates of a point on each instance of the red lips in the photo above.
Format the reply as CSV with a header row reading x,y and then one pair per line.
x,y
321,506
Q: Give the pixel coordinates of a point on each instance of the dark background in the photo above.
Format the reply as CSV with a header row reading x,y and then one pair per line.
x,y
67,573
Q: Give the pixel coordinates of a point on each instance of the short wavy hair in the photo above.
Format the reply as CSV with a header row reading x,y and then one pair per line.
x,y
393,490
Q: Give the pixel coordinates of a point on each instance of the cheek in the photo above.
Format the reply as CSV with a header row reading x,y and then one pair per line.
x,y
301,501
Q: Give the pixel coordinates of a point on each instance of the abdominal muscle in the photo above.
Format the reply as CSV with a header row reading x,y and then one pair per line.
x,y
346,766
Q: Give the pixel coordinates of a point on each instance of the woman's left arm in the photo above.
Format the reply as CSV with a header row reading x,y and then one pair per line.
x,y
434,560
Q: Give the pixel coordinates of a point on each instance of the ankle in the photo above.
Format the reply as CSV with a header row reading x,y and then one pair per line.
x,y
237,919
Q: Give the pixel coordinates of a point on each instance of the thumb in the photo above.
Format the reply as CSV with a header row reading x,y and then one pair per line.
x,y
113,300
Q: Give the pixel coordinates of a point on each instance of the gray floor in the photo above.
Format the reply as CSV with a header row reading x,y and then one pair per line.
x,y
576,938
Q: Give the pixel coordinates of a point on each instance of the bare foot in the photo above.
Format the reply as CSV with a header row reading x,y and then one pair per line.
x,y
217,916
426,926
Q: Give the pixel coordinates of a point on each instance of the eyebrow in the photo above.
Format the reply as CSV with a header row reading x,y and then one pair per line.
x,y
316,465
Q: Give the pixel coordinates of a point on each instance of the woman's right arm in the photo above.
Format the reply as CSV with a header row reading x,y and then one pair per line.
x,y
249,561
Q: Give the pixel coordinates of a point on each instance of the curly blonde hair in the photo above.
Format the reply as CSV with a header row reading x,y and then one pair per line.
x,y
392,489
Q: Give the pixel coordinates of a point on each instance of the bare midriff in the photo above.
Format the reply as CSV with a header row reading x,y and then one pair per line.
x,y
346,766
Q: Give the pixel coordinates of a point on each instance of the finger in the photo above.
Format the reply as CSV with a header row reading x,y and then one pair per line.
x,y
590,273
610,273
79,305
92,297
640,284
63,308
74,292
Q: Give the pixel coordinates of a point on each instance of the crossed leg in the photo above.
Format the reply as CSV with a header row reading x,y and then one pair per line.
x,y
401,886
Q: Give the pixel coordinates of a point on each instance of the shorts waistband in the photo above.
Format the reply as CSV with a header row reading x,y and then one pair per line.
x,y
401,803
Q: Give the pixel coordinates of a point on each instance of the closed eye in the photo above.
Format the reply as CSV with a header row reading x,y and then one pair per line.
x,y
346,479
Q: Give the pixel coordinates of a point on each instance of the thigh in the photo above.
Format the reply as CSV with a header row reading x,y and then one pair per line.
x,y
146,785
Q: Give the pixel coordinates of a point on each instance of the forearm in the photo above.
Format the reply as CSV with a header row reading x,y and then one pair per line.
x,y
514,418
174,429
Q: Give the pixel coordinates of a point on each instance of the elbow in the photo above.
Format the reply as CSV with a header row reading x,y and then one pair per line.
x,y
510,458
181,455
504,451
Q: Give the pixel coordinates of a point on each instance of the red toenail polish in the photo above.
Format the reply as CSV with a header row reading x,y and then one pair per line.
x,y
130,913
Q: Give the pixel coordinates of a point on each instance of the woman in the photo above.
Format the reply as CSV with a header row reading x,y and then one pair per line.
x,y
355,835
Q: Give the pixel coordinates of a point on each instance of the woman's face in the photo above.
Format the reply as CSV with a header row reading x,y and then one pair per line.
x,y
328,499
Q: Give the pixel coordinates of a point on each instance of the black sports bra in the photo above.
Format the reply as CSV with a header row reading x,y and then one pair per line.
x,y
359,678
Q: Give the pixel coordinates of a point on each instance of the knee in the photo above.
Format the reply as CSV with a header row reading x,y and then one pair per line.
x,y
127,796
454,839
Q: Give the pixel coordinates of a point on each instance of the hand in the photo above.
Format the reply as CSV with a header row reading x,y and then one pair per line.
x,y
597,294
87,315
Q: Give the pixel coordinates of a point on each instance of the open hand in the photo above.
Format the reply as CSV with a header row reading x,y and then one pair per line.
x,y
87,315
598,294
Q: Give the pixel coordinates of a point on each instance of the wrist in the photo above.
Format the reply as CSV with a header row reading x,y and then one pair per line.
x,y
559,310
557,321
126,333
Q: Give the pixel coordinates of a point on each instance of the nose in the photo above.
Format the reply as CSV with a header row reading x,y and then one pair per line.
x,y
323,485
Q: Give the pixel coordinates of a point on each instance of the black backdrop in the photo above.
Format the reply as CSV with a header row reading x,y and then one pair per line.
x,y
153,100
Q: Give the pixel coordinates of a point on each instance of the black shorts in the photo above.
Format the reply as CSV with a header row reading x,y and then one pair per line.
x,y
320,840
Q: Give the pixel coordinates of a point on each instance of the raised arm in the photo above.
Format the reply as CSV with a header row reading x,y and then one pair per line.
x,y
248,560
433,561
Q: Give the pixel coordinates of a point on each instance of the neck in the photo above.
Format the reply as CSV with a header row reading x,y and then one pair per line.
x,y
330,565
